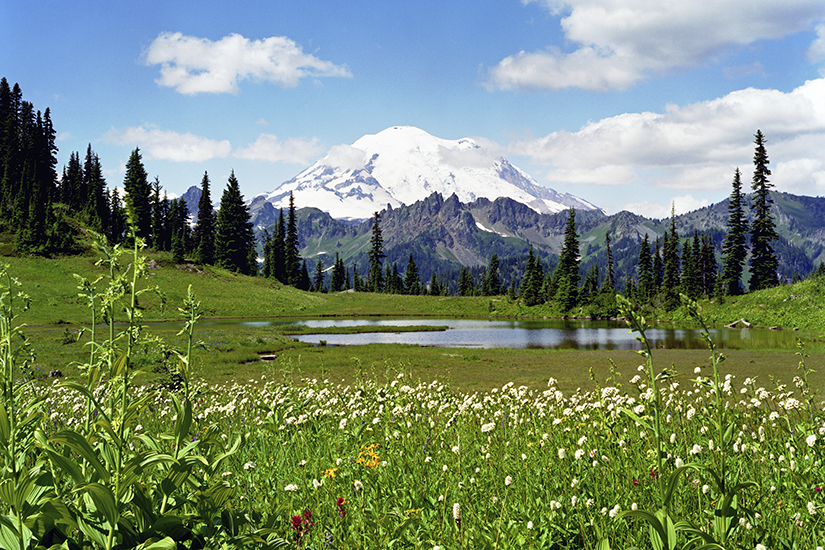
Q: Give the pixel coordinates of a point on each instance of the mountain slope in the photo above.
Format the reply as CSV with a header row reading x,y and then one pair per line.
x,y
402,165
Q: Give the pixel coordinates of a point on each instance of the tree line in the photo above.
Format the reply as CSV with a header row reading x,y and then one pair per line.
x,y
45,211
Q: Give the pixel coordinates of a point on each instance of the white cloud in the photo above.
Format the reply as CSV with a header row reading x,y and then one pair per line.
x,y
194,65
816,51
293,150
658,210
169,145
695,146
346,157
618,43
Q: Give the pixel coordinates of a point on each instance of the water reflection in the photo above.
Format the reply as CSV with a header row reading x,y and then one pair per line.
x,y
538,334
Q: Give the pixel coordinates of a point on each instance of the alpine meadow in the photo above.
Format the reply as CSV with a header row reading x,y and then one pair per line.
x,y
147,404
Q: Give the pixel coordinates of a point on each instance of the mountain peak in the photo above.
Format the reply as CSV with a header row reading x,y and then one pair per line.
x,y
404,164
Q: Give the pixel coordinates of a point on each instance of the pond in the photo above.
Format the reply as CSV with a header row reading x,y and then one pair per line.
x,y
537,334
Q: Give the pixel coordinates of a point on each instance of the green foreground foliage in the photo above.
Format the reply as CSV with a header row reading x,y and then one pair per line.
x,y
660,462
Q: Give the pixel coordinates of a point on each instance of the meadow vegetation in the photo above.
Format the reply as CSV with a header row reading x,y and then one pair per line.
x,y
380,447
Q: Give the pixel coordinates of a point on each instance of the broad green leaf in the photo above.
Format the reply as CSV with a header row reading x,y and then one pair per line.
x,y
9,535
166,543
104,500
635,417
78,444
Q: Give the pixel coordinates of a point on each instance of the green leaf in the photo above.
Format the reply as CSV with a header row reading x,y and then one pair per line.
x,y
104,500
5,429
78,444
166,543
604,544
9,535
673,481
635,417
655,525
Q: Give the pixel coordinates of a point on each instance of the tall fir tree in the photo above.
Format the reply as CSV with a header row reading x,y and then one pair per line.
x,y
645,271
734,246
763,262
204,234
292,258
138,195
338,279
234,238
412,282
670,265
492,279
279,248
708,264
567,272
610,277
530,287
375,281
318,277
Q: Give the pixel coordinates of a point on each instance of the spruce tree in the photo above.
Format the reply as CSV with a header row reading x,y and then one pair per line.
x,y
530,287
645,271
610,278
278,249
567,272
412,282
138,193
708,269
292,258
266,270
376,279
670,261
492,280
318,276
763,262
234,238
204,236
339,275
734,246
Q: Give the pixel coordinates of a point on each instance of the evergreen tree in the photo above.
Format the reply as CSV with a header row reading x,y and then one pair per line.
x,y
95,207
204,236
318,276
645,271
234,238
492,280
117,218
303,277
159,208
412,282
530,287
376,253
357,285
266,269
567,272
708,267
763,262
658,267
466,286
610,279
279,248
138,193
338,281
292,258
689,276
671,270
734,246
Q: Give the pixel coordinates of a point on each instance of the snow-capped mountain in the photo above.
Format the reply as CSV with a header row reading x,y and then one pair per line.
x,y
402,165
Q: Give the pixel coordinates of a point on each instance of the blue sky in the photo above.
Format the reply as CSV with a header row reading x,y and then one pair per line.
x,y
630,104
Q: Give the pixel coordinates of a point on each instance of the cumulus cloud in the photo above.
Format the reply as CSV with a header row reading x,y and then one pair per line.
x,y
680,205
292,150
471,153
618,43
816,51
346,157
696,146
169,145
194,65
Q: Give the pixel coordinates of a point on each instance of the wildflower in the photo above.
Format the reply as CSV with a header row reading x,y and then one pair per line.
x,y
291,488
634,506
615,511
529,525
444,468
574,483
226,474
561,454
579,454
428,459
340,504
317,484
508,481
811,508
810,440
705,489
679,463
488,427
329,472
457,514
358,485
635,482
574,500
249,465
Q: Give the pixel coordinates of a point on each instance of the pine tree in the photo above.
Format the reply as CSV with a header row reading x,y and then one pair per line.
x,y
292,258
530,287
159,212
234,238
466,285
138,193
376,253
734,247
95,209
671,270
492,280
567,272
610,279
117,218
279,248
645,271
266,269
708,269
357,284
318,276
412,282
303,277
690,256
204,236
763,263
339,275
658,267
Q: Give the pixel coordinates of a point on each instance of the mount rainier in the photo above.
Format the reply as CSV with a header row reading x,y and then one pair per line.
x,y
402,165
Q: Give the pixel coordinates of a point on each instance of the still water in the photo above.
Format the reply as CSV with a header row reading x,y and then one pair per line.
x,y
539,334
